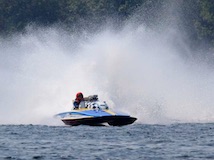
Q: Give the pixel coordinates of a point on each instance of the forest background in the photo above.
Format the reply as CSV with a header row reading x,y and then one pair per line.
x,y
194,18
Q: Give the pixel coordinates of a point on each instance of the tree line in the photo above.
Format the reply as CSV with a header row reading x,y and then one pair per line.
x,y
194,17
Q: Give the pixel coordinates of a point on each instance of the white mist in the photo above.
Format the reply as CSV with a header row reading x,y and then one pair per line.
x,y
136,70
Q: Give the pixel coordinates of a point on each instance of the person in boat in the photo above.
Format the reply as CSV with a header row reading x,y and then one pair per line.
x,y
79,98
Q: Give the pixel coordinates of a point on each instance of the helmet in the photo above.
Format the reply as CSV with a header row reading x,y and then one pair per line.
x,y
79,96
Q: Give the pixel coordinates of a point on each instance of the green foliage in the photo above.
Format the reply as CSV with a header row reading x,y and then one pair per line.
x,y
205,22
194,17
16,15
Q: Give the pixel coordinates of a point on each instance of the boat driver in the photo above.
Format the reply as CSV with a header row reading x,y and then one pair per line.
x,y
78,100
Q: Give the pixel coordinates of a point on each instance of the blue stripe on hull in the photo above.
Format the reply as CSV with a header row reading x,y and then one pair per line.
x,y
93,113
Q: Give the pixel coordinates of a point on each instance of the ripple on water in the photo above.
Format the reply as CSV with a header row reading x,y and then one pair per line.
x,y
138,141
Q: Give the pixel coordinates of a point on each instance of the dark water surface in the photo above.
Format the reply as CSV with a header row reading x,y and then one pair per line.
x,y
138,141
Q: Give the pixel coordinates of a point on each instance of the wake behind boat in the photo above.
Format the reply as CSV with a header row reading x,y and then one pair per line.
x,y
93,112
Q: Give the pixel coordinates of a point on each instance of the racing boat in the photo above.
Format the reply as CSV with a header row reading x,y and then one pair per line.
x,y
95,113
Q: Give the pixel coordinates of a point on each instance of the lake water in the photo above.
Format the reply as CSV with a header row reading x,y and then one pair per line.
x,y
137,141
